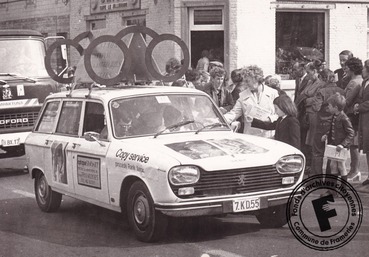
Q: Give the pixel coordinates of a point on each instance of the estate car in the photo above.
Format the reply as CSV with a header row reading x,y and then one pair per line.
x,y
152,152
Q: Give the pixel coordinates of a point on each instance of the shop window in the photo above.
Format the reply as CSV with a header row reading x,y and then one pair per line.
x,y
300,36
97,24
139,21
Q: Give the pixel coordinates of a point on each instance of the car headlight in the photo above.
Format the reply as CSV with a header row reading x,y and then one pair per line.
x,y
290,164
184,175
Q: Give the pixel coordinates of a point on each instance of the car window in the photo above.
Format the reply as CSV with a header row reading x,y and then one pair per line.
x,y
150,114
94,119
69,118
48,117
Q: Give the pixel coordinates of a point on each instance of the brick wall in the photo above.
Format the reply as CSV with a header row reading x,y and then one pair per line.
x,y
159,18
46,16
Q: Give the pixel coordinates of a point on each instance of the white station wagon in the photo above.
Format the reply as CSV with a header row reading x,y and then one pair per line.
x,y
152,152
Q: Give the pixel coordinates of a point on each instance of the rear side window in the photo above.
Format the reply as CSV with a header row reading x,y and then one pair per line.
x,y
48,118
69,118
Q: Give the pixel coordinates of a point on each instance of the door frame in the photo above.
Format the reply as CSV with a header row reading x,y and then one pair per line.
x,y
188,5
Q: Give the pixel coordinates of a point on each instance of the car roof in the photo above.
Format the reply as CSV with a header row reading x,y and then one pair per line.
x,y
20,32
108,93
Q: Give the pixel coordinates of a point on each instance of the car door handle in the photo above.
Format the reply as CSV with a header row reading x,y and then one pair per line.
x,y
47,141
74,145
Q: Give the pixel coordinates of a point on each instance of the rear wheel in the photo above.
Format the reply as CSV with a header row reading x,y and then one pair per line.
x,y
148,225
273,217
47,199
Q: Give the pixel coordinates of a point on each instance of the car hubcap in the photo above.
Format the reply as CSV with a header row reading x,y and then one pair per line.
x,y
141,211
42,189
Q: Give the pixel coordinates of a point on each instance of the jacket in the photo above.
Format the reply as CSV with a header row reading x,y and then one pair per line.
x,y
319,101
343,132
364,117
352,92
244,104
300,85
343,79
287,130
226,99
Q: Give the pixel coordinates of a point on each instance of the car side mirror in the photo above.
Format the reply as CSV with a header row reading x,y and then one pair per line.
x,y
235,125
92,136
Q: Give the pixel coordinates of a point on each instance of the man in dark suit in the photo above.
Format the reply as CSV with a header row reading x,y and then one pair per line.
x,y
301,79
342,78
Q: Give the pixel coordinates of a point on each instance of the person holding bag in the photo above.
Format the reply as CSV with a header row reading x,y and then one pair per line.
x,y
354,68
362,108
340,134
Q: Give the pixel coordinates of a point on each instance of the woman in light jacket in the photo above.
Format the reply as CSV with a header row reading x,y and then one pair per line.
x,y
255,95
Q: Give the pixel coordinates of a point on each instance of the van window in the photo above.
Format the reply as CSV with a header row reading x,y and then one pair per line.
x,y
48,118
95,119
69,118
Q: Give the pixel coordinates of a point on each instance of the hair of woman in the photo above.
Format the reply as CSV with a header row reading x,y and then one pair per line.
x,y
285,103
355,65
254,72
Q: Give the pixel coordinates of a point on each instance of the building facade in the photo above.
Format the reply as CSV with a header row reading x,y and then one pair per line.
x,y
271,34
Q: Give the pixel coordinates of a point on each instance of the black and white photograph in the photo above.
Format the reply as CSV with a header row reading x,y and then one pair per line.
x,y
189,128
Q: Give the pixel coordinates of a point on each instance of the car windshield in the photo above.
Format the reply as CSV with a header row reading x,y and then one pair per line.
x,y
22,57
162,114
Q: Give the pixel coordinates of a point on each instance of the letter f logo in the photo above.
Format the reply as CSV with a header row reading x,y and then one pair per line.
x,y
322,214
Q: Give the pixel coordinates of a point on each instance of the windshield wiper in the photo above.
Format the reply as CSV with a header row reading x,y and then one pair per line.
x,y
18,76
174,126
214,125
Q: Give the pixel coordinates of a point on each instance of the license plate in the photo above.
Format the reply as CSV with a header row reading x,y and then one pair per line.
x,y
10,142
246,204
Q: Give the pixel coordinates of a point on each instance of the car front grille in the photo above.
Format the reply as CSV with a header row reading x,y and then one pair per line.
x,y
18,120
228,182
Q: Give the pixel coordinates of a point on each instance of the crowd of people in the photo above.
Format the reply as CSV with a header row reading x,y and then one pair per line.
x,y
329,107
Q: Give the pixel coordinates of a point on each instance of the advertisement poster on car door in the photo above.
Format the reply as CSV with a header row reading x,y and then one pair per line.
x,y
58,162
88,171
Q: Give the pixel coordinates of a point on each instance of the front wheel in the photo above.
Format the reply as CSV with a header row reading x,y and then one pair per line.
x,y
47,199
273,217
148,225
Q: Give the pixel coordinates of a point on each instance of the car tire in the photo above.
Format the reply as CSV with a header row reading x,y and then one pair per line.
x,y
47,199
273,217
148,225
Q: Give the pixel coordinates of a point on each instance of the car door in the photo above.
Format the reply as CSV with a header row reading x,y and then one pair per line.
x,y
38,143
89,157
66,133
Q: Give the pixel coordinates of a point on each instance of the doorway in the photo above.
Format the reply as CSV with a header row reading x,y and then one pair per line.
x,y
206,33
213,41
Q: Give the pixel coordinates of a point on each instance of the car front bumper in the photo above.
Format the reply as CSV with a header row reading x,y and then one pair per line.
x,y
220,205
